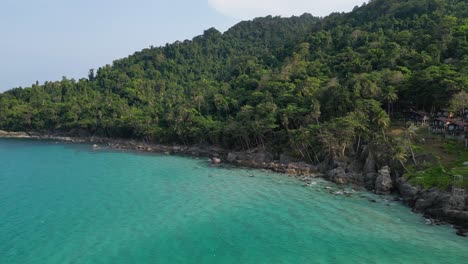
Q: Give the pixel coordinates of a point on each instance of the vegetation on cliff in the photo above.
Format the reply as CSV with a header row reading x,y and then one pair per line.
x,y
317,87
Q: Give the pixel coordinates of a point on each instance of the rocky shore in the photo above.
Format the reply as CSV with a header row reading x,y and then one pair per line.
x,y
436,205
253,159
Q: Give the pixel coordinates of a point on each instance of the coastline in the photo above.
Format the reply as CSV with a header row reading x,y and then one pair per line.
x,y
257,159
433,204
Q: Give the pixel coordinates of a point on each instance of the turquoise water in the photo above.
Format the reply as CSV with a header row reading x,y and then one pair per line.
x,y
65,203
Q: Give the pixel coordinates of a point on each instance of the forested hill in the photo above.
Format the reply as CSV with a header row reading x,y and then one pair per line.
x,y
314,85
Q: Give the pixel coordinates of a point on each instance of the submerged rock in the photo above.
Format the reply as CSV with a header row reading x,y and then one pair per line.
x,y
462,232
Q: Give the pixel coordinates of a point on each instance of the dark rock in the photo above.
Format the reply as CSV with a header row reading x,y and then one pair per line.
x,y
432,199
263,156
462,232
408,192
337,175
457,217
285,159
369,181
231,157
369,165
384,183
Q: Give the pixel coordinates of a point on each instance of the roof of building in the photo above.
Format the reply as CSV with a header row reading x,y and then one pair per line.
x,y
421,113
443,119
457,122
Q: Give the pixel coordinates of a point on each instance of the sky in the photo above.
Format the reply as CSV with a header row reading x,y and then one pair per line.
x,y
43,40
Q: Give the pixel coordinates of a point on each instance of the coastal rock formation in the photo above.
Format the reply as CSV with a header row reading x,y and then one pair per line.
x,y
215,160
263,156
433,203
369,172
231,157
432,199
285,159
338,175
407,191
5,134
384,183
300,168
343,171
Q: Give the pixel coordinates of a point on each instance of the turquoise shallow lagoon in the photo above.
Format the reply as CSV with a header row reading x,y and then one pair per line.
x,y
66,203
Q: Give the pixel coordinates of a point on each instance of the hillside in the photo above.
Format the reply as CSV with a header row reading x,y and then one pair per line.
x,y
316,87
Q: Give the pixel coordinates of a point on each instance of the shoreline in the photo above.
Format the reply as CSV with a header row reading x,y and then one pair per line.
x,y
421,201
257,159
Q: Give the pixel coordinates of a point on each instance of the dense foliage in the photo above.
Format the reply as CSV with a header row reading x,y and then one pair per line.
x,y
318,86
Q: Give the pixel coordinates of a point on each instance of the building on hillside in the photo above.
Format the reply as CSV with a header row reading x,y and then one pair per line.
x,y
450,128
445,112
419,118
438,125
456,127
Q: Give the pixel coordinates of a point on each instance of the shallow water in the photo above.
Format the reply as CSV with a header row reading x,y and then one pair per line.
x,y
67,203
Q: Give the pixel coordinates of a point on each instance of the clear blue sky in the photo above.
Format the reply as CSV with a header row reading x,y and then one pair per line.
x,y
46,39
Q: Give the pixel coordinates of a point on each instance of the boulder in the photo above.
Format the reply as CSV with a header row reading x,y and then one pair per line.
x,y
407,191
462,232
384,183
215,160
231,157
369,165
300,168
263,156
369,171
285,159
423,203
338,175
369,181
457,217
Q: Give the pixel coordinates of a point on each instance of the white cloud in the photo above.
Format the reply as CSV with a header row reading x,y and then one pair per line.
x,y
248,9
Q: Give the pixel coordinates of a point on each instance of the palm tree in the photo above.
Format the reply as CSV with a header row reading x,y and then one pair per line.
x,y
401,156
389,96
383,121
410,132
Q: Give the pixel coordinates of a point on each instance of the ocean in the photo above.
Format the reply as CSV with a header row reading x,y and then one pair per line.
x,y
69,203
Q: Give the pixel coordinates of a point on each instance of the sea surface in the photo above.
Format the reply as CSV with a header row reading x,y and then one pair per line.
x,y
68,203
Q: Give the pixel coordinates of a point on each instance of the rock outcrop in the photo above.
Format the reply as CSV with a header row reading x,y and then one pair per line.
x,y
369,172
384,182
433,203
436,204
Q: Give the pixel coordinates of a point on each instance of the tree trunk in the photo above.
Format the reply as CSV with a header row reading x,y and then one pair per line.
x,y
404,167
358,144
